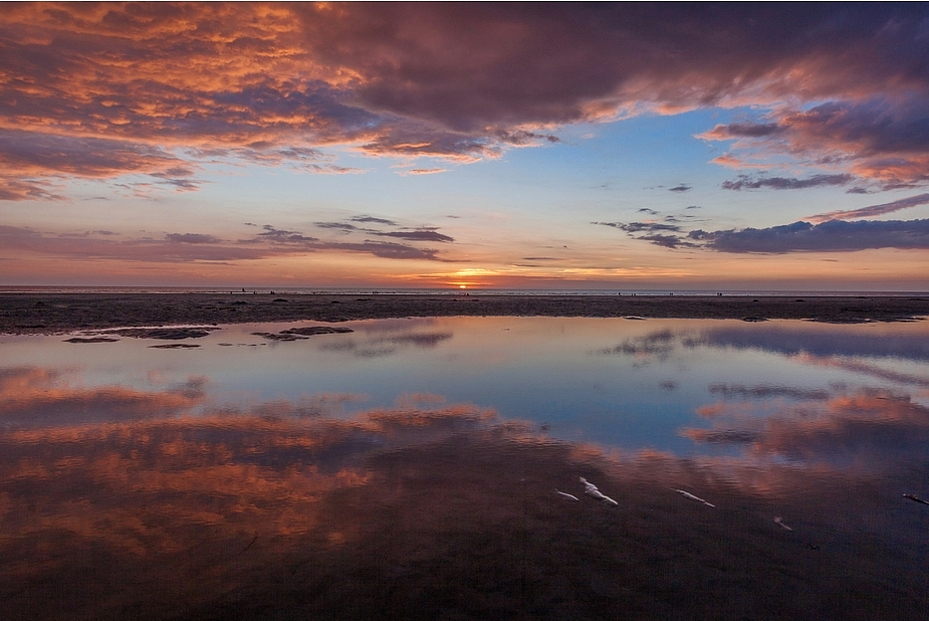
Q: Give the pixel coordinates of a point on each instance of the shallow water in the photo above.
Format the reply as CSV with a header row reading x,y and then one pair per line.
x,y
409,469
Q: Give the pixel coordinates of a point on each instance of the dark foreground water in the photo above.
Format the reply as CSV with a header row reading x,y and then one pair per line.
x,y
408,470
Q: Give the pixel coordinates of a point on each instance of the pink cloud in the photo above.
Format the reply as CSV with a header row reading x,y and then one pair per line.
x,y
149,88
872,210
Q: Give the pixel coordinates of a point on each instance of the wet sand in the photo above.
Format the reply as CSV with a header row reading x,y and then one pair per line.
x,y
55,313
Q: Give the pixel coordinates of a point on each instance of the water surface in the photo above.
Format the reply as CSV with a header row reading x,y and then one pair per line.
x,y
409,469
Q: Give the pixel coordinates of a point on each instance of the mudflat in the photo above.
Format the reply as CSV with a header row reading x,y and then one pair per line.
x,y
47,313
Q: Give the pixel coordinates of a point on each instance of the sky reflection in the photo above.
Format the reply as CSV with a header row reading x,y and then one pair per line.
x,y
301,476
422,509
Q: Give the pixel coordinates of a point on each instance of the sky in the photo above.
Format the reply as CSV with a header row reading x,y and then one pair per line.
x,y
553,146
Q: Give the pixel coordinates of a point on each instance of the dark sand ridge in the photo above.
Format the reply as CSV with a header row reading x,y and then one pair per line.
x,y
50,313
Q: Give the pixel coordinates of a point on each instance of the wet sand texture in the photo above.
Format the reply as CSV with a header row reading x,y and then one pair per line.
x,y
50,313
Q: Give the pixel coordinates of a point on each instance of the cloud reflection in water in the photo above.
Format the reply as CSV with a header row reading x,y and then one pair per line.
x,y
417,511
175,501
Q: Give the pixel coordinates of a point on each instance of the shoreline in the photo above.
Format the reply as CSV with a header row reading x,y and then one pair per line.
x,y
55,313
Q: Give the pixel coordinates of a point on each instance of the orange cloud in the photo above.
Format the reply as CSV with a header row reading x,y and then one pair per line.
x,y
871,429
34,396
148,88
196,517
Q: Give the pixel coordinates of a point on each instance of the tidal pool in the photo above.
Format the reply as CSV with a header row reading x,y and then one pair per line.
x,y
411,469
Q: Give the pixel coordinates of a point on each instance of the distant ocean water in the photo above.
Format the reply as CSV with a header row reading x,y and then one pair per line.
x,y
25,289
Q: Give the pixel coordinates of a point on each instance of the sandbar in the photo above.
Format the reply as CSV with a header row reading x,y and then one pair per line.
x,y
55,313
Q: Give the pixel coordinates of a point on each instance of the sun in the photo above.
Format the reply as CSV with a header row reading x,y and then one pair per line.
x,y
462,286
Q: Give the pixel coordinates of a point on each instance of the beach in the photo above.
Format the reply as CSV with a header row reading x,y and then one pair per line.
x,y
51,313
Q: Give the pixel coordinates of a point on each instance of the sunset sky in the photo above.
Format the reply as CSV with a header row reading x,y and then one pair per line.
x,y
439,145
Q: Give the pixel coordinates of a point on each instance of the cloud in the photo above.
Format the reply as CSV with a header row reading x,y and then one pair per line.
x,y
741,130
145,250
881,138
192,238
373,220
26,157
873,210
657,233
680,188
340,226
385,250
185,247
421,171
636,227
421,234
667,241
281,84
418,235
284,237
745,182
830,236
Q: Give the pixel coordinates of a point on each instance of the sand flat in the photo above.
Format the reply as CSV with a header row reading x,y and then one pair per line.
x,y
49,313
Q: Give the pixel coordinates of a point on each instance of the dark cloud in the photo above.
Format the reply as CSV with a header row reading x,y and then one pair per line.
x,y
648,211
741,130
744,182
446,80
192,238
680,188
882,138
668,241
419,235
339,226
284,237
385,250
657,233
521,137
834,235
373,220
636,227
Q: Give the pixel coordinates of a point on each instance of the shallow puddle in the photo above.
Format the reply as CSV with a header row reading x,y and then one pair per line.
x,y
412,469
